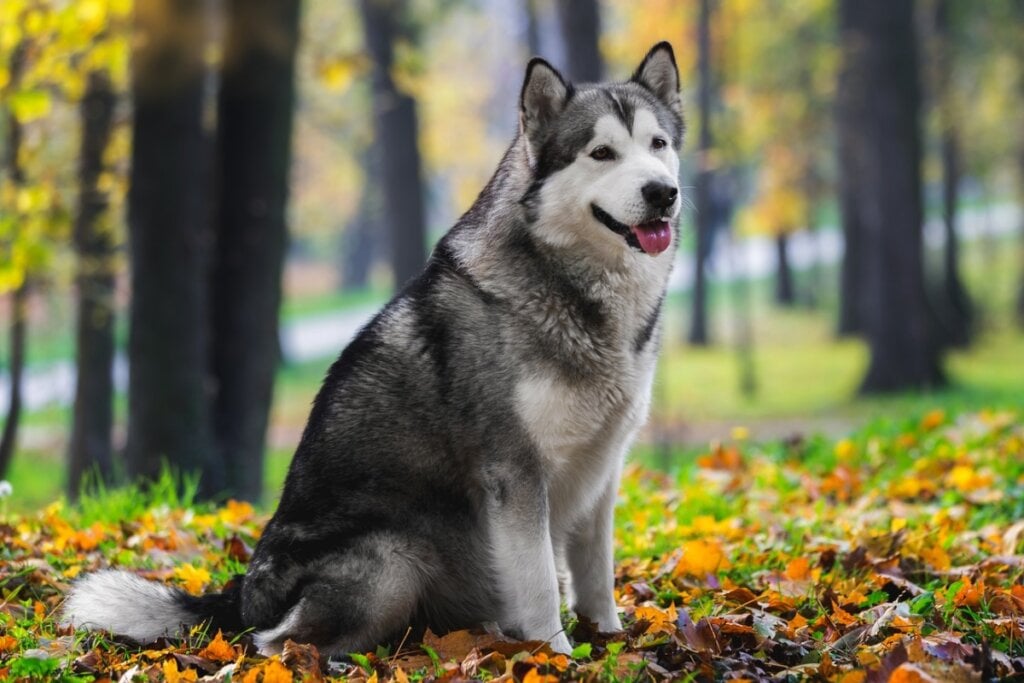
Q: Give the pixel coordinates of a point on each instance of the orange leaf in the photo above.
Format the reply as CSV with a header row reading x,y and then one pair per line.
x,y
970,594
218,650
8,643
798,569
936,557
533,677
909,673
275,672
933,419
841,616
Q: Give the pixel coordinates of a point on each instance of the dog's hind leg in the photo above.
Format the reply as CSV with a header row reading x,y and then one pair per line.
x,y
352,601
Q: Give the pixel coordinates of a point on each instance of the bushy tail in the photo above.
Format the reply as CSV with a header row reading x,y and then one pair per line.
x,y
128,605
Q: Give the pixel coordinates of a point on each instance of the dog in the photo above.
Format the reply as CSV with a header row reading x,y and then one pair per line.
x,y
461,461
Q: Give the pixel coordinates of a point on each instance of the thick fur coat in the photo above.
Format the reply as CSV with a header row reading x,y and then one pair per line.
x,y
462,459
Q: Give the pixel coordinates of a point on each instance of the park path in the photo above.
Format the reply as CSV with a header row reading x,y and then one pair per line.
x,y
322,336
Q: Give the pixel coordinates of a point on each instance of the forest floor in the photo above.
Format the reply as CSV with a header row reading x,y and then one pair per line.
x,y
895,553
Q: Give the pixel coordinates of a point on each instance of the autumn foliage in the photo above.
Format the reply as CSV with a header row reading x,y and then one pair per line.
x,y
892,555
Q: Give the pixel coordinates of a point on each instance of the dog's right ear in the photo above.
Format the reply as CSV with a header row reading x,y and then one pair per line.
x,y
544,95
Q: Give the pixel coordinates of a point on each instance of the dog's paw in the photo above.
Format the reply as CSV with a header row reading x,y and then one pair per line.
x,y
560,644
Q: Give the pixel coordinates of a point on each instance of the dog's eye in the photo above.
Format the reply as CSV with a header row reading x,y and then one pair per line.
x,y
602,153
658,144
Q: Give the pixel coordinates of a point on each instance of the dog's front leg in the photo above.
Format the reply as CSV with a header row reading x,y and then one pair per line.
x,y
525,561
590,558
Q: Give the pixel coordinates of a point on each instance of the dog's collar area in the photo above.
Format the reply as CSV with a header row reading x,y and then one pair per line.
x,y
615,226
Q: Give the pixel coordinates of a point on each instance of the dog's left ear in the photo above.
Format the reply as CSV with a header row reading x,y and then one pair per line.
x,y
659,74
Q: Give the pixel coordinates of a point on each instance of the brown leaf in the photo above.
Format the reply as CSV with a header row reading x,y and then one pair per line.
x,y
304,658
457,644
237,549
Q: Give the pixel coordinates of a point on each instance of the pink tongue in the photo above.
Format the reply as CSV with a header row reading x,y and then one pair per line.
x,y
654,238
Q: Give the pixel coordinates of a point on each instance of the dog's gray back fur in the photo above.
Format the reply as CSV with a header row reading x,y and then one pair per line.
x,y
467,444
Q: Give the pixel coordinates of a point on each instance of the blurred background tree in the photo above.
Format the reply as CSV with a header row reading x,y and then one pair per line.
x,y
849,165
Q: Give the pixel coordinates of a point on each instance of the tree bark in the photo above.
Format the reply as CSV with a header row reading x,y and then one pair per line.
x,y
256,101
850,98
956,309
811,293
90,447
904,353
19,297
9,437
785,294
1020,289
957,316
169,217
698,335
363,238
580,22
396,131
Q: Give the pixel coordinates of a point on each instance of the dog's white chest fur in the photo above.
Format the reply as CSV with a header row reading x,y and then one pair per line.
x,y
581,431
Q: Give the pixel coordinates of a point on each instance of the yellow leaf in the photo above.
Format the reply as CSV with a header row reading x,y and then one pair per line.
x,y
700,558
235,512
172,675
193,578
965,479
658,621
845,449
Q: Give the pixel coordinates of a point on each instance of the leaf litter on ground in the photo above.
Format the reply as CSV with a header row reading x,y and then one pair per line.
x,y
892,555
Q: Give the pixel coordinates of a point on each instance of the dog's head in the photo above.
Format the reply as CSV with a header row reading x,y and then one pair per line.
x,y
604,157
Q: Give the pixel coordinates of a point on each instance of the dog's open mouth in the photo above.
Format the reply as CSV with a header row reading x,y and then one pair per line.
x,y
652,237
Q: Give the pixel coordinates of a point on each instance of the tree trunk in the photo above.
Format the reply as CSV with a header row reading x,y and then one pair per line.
x,y
851,96
396,133
256,101
699,318
363,239
580,22
19,297
956,306
904,354
811,293
956,310
90,448
532,28
1020,289
9,437
169,216
784,292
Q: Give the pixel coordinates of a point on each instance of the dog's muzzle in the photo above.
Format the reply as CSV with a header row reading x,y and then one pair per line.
x,y
652,237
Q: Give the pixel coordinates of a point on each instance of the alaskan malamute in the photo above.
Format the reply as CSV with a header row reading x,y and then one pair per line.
x,y
462,459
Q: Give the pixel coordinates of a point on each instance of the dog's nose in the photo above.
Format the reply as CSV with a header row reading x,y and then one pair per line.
x,y
659,195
